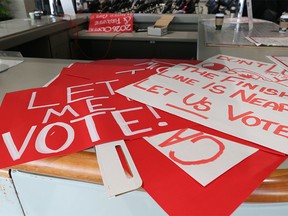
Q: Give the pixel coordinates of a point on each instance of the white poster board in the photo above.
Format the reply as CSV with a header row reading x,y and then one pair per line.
x,y
202,156
282,61
250,109
68,9
252,69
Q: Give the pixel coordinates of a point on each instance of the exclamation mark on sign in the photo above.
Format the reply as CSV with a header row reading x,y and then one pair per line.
x,y
157,116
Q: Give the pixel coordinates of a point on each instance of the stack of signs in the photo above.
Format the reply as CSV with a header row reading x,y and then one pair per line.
x,y
202,140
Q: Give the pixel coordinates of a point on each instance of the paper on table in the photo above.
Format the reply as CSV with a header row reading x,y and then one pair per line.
x,y
202,156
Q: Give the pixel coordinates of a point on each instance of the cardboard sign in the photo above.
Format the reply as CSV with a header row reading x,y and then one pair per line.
x,y
249,109
111,23
202,156
78,110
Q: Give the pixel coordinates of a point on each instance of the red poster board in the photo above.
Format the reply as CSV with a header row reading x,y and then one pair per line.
x,y
44,122
179,194
111,23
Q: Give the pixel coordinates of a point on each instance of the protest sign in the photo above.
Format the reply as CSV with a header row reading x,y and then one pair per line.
x,y
178,194
249,109
79,109
247,68
111,23
202,156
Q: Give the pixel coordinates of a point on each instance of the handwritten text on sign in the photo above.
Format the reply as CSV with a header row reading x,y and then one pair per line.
x,y
247,68
111,23
202,156
76,112
250,109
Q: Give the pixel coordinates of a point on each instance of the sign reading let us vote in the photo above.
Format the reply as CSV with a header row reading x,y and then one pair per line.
x,y
235,105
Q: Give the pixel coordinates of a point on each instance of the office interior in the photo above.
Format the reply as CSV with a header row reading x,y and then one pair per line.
x,y
35,32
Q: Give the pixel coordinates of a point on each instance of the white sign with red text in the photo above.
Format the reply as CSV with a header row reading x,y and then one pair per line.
x,y
282,61
250,109
247,68
202,156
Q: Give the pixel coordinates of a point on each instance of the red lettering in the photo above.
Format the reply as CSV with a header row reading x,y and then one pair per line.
x,y
217,89
154,89
201,161
233,117
268,123
176,138
137,84
282,130
270,70
283,94
201,105
251,121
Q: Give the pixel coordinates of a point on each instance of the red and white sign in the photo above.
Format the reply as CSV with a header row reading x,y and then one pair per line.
x,y
249,109
111,23
79,110
202,156
247,68
179,194
282,61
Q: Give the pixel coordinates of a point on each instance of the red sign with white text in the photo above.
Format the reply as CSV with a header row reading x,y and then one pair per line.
x,y
111,23
78,110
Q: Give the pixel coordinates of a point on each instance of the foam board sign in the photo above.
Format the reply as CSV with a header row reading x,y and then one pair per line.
x,y
202,156
79,110
249,109
247,68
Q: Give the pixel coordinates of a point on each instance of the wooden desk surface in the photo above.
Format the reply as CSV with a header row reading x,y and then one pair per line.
x,y
83,166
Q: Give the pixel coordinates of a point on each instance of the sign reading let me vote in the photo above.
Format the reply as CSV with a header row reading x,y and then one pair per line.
x,y
111,23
